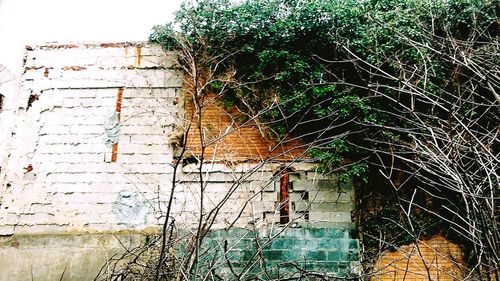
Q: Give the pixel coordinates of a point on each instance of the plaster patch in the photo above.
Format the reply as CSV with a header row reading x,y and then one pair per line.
x,y
113,129
130,209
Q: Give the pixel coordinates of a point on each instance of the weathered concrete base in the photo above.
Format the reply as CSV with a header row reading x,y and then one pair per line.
x,y
60,257
277,252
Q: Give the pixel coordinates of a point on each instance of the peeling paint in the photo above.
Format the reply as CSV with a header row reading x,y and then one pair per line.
x,y
28,168
74,68
32,68
32,99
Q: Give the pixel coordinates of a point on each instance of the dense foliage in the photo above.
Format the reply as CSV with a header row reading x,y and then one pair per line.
x,y
402,85
331,61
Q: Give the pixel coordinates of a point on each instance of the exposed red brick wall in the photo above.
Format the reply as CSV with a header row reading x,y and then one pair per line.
x,y
227,136
443,259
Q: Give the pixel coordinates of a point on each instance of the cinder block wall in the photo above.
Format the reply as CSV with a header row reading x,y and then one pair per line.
x,y
281,253
87,154
59,175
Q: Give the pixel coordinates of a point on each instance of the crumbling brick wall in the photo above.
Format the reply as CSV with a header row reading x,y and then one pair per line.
x,y
431,259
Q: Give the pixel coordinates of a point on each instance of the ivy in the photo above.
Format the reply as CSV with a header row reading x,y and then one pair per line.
x,y
308,54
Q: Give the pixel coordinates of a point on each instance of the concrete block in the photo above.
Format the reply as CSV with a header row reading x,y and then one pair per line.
x,y
87,129
68,187
268,186
85,177
8,218
219,177
304,185
270,196
260,175
61,178
144,158
300,206
132,129
35,218
52,139
329,217
78,83
29,177
34,74
165,93
340,217
79,158
83,120
283,243
113,61
331,196
296,176
314,176
274,255
7,230
315,255
54,130
148,139
331,207
327,235
263,206
327,185
52,118
85,197
70,103
80,93
294,233
53,148
143,148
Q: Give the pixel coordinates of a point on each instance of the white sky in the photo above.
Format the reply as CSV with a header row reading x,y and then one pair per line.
x,y
30,22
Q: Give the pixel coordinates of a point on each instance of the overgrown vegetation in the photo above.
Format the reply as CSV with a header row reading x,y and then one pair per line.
x,y
335,62
403,91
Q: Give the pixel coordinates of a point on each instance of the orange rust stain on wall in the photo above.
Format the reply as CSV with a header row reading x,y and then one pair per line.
x,y
138,56
119,98
226,136
285,207
443,259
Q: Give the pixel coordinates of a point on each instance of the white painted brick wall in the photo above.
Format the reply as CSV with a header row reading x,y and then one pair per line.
x,y
56,178
57,174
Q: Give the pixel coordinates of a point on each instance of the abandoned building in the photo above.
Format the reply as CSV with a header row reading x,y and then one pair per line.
x,y
88,158
88,146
